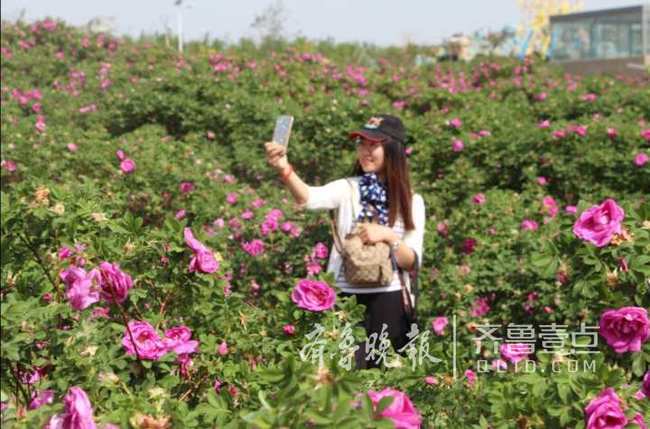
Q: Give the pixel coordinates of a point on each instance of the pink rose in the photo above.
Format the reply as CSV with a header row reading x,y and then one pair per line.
x,y
639,420
64,252
541,180
177,339
442,228
430,380
320,251
571,209
604,411
640,159
147,341
78,413
40,124
269,225
289,329
231,198
254,247
645,387
180,214
120,155
223,348
479,198
480,307
558,134
529,225
646,134
82,289
612,133
399,104
514,352
88,109
550,206
9,165
599,223
468,245
313,295
186,187
184,362
590,97
203,260
625,329
457,145
438,324
127,166
400,411
72,147
471,377
544,124
114,282
41,398
247,214
191,242
580,130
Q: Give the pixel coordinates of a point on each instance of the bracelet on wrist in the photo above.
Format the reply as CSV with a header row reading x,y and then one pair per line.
x,y
286,172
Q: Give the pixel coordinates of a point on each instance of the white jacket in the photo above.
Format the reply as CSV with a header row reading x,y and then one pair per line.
x,y
336,194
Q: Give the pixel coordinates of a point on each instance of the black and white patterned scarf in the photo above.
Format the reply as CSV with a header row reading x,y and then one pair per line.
x,y
373,193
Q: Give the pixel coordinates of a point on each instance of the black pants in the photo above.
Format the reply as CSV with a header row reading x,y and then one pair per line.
x,y
382,307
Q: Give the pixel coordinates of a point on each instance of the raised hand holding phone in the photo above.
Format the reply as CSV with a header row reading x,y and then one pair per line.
x,y
283,130
276,150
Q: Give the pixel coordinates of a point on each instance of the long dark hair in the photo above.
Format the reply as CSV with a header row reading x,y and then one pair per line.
x,y
398,181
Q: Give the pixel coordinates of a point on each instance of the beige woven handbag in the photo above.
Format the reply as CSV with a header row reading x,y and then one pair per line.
x,y
365,265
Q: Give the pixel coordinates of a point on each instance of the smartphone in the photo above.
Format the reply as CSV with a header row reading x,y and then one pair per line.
x,y
283,130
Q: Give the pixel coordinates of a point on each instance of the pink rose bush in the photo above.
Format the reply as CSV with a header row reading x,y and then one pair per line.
x,y
203,260
400,411
625,329
599,223
313,295
150,346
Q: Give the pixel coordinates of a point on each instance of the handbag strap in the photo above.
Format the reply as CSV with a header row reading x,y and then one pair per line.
x,y
337,239
334,219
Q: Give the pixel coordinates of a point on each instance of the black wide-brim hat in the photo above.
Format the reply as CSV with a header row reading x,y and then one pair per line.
x,y
381,127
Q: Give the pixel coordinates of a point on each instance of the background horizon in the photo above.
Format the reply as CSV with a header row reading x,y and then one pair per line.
x,y
378,22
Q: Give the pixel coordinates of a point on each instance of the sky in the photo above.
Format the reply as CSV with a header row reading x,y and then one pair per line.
x,y
381,22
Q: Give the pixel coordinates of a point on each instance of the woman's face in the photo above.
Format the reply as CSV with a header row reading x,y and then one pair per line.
x,y
370,155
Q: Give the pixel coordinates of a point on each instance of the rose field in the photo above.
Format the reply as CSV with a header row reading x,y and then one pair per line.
x,y
157,274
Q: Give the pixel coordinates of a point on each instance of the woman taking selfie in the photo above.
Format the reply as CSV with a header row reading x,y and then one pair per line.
x,y
380,189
